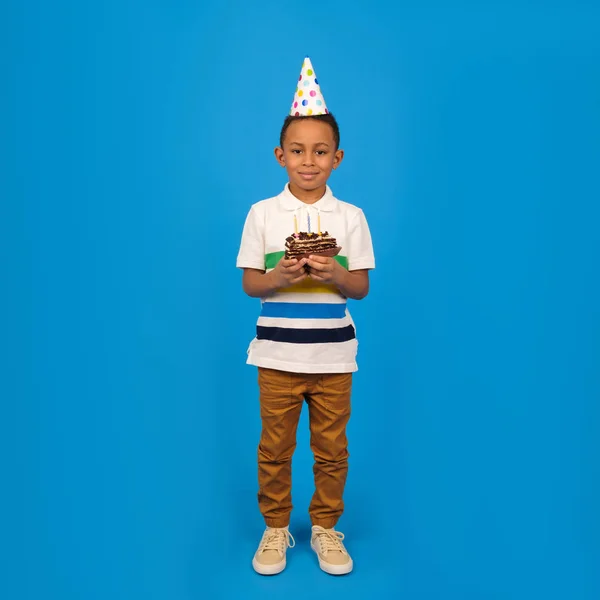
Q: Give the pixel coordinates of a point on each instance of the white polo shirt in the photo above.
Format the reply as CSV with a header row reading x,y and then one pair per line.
x,y
305,328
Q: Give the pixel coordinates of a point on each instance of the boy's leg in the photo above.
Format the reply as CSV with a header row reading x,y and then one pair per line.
x,y
329,412
281,398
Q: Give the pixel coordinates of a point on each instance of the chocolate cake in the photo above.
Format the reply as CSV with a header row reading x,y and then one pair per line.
x,y
302,244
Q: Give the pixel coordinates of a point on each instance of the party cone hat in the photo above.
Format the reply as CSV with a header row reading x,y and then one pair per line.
x,y
308,99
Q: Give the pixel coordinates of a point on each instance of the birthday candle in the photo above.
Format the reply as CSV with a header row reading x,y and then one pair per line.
x,y
319,222
309,223
295,224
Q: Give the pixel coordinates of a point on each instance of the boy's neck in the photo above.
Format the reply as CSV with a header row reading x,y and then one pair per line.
x,y
308,196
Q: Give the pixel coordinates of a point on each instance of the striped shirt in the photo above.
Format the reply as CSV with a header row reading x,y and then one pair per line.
x,y
304,328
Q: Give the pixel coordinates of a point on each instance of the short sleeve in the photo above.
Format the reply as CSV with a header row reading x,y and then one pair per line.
x,y
252,247
359,247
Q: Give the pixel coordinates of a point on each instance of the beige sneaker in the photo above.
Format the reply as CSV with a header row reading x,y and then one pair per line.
x,y
333,557
270,556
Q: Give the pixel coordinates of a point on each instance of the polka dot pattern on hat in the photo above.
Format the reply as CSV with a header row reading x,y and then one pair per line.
x,y
308,99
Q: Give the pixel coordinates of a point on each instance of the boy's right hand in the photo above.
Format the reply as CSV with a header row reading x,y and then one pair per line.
x,y
288,272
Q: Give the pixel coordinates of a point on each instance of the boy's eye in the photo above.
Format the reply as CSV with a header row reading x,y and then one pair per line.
x,y
321,152
296,151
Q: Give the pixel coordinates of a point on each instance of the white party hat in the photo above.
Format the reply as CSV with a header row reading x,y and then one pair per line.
x,y
308,99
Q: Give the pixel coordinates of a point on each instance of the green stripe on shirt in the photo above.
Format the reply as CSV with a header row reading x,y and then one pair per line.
x,y
273,258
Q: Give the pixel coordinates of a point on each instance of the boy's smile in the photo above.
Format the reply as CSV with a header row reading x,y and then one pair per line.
x,y
309,155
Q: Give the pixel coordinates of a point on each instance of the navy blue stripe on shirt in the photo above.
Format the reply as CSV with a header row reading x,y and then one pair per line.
x,y
305,336
303,310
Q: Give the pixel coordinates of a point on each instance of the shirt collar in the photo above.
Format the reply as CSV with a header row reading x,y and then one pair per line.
x,y
288,201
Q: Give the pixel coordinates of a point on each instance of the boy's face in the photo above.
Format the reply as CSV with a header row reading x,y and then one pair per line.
x,y
308,155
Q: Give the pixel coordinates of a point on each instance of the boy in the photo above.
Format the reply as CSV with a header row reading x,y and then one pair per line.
x,y
305,346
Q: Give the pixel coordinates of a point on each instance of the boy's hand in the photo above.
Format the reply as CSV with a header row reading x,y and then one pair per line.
x,y
325,269
288,272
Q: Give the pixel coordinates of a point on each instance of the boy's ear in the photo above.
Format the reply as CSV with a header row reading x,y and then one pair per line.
x,y
339,156
279,156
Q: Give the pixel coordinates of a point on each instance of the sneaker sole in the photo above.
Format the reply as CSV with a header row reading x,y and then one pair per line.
x,y
268,569
333,569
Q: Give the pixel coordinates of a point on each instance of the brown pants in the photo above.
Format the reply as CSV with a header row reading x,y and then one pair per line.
x,y
281,397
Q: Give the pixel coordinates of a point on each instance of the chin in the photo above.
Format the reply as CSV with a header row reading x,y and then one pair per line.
x,y
310,185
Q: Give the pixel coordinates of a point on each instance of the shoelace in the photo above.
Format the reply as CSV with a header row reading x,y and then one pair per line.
x,y
330,540
277,539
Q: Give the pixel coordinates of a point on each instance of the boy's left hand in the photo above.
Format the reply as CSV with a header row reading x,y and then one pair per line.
x,y
325,269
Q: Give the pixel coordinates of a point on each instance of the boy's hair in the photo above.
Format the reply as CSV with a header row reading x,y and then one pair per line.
x,y
328,118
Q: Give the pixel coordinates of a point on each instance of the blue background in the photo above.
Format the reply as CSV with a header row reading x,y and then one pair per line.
x,y
135,136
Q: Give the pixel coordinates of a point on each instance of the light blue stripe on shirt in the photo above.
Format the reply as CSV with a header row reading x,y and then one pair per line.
x,y
303,310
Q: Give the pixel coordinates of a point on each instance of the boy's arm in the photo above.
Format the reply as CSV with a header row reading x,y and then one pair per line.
x,y
251,257
352,284
258,284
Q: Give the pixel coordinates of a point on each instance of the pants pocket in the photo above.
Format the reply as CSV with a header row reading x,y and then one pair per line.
x,y
337,392
275,388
